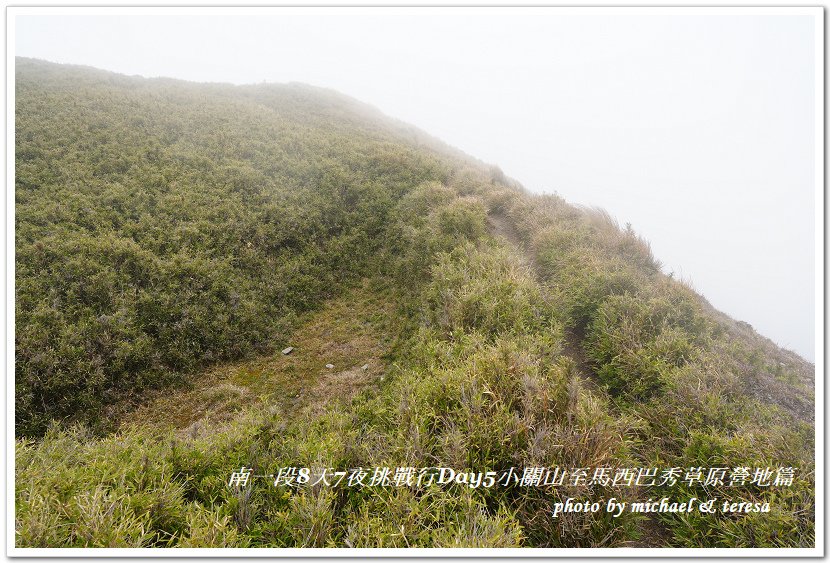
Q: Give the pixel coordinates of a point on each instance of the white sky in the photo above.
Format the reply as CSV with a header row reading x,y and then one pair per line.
x,y
699,130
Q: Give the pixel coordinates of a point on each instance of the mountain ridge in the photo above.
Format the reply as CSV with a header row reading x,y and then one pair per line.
x,y
173,238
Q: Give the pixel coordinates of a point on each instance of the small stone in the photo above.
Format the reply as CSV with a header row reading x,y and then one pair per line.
x,y
287,350
329,366
365,367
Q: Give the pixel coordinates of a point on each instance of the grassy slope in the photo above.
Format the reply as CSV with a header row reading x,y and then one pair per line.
x,y
501,329
162,226
349,332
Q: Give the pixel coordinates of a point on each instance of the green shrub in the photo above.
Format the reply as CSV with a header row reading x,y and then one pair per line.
x,y
485,291
637,343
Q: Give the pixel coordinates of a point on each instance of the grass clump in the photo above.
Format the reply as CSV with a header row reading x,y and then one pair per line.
x,y
638,342
485,291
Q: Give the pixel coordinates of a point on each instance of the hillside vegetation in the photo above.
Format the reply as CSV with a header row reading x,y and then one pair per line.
x,y
172,238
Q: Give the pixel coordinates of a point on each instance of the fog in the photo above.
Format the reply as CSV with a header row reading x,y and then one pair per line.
x,y
699,130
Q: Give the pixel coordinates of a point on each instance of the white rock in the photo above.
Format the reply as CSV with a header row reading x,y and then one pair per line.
x,y
287,350
365,367
329,366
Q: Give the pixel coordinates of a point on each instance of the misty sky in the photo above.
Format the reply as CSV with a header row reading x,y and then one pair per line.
x,y
699,130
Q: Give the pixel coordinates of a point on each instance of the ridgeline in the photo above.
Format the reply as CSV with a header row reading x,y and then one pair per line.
x,y
173,238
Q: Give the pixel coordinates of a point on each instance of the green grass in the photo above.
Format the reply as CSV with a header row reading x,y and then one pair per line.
x,y
349,332
165,258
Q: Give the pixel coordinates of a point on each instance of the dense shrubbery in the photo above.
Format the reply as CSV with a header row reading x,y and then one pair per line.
x,y
163,226
703,390
647,336
482,389
485,292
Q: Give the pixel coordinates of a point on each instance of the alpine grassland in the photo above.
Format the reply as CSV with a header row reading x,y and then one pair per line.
x,y
212,277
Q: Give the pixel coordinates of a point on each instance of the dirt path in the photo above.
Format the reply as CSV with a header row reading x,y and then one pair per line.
x,y
501,228
654,534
